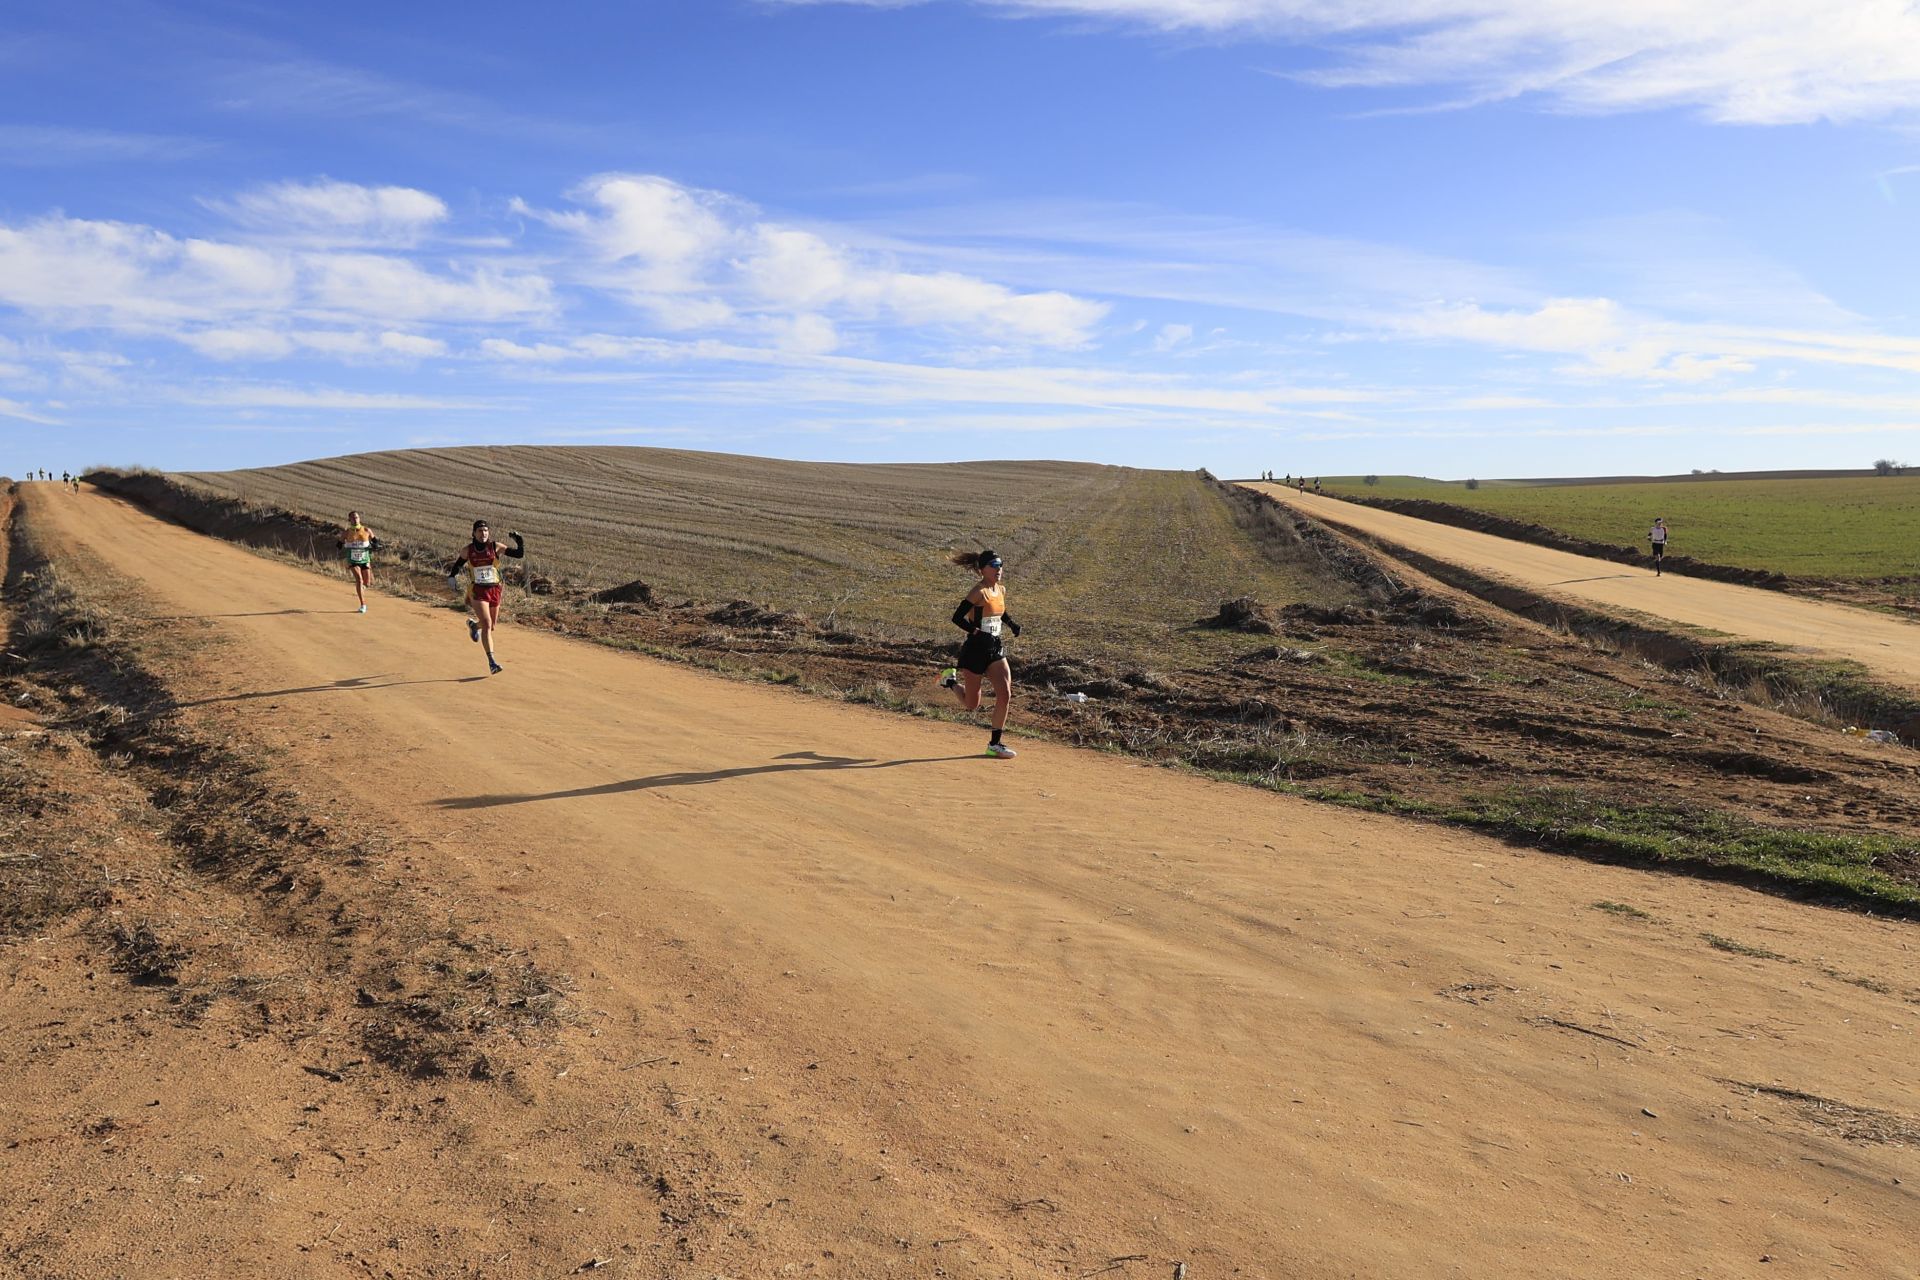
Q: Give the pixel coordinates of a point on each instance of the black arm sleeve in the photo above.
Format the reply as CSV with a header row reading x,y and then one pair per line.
x,y
517,550
456,564
963,616
1011,624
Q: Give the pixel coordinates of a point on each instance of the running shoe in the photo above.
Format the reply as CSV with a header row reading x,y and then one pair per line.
x,y
1001,751
494,667
950,678
363,608
473,631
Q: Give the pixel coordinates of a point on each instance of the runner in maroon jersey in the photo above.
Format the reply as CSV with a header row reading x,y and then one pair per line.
x,y
480,560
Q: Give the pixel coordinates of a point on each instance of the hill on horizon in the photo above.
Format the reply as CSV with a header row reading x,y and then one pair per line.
x,y
867,541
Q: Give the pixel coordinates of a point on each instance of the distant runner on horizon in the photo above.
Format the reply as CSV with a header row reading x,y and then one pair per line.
x,y
359,543
480,559
983,616
1658,537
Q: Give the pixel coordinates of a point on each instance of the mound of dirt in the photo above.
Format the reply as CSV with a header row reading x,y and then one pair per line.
x,y
635,592
745,613
1417,608
1308,616
1243,613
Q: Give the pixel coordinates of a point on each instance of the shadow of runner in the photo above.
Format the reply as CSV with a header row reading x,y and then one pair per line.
x,y
1605,577
348,685
803,761
267,613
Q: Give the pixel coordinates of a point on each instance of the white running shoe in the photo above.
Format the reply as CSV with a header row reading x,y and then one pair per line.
x,y
950,678
1001,751
363,608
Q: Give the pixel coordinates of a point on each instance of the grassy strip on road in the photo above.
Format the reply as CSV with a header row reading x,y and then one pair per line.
x,y
1854,527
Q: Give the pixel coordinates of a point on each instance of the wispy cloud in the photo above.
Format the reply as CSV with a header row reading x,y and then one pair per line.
x,y
14,409
1762,62
57,146
272,397
337,213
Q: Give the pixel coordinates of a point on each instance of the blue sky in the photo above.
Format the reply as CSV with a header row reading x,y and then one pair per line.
x,y
1453,237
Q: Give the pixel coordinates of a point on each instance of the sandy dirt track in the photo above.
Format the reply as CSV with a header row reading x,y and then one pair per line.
x,y
1886,645
1202,1022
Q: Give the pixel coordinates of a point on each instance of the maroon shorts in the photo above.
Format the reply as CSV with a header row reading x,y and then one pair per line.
x,y
489,593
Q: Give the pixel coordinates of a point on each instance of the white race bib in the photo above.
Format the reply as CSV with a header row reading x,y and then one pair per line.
x,y
990,623
485,575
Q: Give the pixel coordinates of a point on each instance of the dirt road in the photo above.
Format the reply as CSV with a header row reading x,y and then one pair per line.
x,y
1077,1008
1887,646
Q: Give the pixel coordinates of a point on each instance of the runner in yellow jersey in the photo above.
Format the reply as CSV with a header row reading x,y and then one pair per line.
x,y
359,543
983,616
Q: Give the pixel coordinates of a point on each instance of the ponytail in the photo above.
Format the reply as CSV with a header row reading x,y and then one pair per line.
x,y
973,559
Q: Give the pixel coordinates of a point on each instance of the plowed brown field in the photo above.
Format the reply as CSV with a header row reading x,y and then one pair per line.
x,y
926,1013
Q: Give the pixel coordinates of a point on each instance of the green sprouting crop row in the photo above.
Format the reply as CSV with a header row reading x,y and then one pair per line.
x,y
1820,527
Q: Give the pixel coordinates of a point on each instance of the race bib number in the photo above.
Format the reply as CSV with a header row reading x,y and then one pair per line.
x,y
485,575
359,555
990,624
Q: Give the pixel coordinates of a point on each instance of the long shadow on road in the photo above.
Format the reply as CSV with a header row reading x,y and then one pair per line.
x,y
265,613
338,686
801,761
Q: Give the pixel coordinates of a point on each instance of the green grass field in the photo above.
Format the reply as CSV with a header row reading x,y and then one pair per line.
x,y
1827,527
1105,550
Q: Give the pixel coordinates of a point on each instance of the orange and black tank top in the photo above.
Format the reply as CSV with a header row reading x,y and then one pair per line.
x,y
992,607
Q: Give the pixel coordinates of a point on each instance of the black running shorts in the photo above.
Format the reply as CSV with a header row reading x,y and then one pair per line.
x,y
980,652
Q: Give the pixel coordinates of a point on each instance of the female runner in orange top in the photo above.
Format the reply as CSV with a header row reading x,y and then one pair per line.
x,y
480,559
983,616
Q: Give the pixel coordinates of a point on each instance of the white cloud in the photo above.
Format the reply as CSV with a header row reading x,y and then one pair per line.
x,y
810,334
502,349
700,259
394,288
117,273
268,397
415,345
1759,62
785,377
235,301
1559,324
240,344
1171,337
338,212
1613,342
14,409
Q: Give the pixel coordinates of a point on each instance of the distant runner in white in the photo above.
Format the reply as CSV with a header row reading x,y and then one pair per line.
x,y
1658,537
